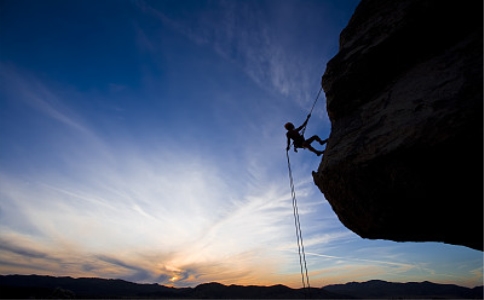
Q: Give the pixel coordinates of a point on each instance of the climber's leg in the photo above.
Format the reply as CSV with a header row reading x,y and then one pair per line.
x,y
307,145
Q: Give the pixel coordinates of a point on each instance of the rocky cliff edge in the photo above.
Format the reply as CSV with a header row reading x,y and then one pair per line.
x,y
404,93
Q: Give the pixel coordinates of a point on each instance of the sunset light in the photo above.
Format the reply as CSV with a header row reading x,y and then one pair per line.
x,y
144,140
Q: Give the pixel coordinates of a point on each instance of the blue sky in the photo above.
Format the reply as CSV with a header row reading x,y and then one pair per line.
x,y
144,140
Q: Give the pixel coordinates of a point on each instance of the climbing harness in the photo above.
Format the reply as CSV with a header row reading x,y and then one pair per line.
x,y
297,224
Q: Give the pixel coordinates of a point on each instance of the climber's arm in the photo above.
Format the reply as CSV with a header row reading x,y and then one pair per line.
x,y
304,124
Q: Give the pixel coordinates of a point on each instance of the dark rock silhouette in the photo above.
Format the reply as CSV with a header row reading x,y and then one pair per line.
x,y
48,287
219,291
378,289
35,286
404,93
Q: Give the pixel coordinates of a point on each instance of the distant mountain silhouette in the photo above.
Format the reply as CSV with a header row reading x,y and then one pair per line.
x,y
35,286
20,286
378,289
215,290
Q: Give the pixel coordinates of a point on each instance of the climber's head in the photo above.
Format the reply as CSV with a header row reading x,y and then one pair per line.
x,y
289,126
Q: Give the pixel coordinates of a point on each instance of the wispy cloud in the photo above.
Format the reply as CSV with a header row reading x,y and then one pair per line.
x,y
25,251
159,213
33,92
181,245
151,198
248,35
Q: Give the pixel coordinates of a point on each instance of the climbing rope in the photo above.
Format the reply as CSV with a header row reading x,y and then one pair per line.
x,y
312,107
297,224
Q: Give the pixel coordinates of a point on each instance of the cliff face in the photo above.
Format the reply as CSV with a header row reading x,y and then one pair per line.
x,y
404,160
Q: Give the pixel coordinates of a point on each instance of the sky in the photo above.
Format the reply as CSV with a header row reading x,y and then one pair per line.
x,y
144,140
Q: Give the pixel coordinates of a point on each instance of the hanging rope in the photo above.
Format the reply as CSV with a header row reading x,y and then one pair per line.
x,y
312,107
297,224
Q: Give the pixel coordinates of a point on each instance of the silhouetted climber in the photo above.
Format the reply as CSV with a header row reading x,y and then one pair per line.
x,y
299,140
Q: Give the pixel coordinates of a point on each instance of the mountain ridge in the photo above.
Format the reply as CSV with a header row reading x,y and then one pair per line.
x,y
44,286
